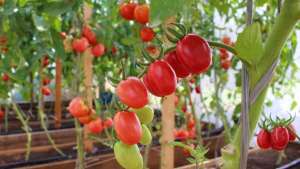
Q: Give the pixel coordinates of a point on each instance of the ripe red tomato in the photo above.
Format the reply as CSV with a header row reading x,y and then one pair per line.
x,y
187,152
151,49
141,13
181,134
128,127
46,81
147,34
226,40
114,50
264,139
95,126
279,138
5,77
180,70
89,35
108,123
98,50
45,61
80,45
192,133
78,108
192,81
127,10
222,50
160,79
63,35
85,119
292,136
132,92
224,55
194,53
198,89
225,64
184,108
191,124
46,91
2,113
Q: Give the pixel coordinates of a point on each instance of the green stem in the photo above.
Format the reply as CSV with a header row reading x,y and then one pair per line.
x,y
80,148
222,45
283,27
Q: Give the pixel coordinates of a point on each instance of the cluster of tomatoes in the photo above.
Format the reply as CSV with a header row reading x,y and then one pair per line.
x,y
276,135
87,116
46,91
224,54
140,14
88,39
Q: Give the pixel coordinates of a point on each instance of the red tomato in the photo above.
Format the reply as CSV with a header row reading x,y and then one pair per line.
x,y
46,81
45,61
194,53
80,45
108,123
160,79
95,126
226,40
147,34
198,89
192,81
128,127
4,49
114,50
180,70
222,50
98,50
224,55
264,139
191,124
279,138
63,35
89,35
141,13
127,10
225,64
5,77
192,133
46,91
85,119
132,92
292,136
184,108
2,113
77,108
181,134
152,49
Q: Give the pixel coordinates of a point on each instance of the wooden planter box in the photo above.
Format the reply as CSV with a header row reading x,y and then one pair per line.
x,y
260,159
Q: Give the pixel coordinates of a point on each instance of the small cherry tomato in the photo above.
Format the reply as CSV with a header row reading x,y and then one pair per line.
x,y
78,108
279,138
85,119
191,123
89,35
98,50
80,45
181,134
63,35
225,64
226,40
46,81
45,61
5,77
147,34
46,91
95,126
108,123
198,89
224,55
264,139
141,13
127,10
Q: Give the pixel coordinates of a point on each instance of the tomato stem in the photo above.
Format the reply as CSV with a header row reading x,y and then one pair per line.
x,y
222,45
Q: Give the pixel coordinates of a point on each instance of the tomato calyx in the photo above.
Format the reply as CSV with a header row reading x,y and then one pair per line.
x,y
175,32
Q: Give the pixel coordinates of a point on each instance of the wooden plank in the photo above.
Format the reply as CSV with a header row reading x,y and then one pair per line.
x,y
168,125
58,99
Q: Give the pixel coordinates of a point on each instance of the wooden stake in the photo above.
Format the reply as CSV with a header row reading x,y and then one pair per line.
x,y
58,100
168,123
88,81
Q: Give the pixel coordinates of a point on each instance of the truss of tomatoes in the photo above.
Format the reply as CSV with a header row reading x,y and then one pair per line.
x,y
276,134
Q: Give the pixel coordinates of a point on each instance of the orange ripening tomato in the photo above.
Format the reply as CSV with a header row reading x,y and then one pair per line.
x,y
95,126
46,91
78,108
127,10
141,14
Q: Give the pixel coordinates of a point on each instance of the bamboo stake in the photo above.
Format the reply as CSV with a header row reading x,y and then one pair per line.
x,y
168,123
88,81
58,100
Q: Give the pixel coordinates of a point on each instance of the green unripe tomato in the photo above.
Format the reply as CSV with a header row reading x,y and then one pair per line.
x,y
146,135
128,156
144,114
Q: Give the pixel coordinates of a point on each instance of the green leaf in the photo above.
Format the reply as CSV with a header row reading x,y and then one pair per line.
x,y
39,22
161,10
249,44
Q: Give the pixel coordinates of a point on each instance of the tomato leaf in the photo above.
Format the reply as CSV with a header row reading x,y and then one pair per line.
x,y
161,10
249,44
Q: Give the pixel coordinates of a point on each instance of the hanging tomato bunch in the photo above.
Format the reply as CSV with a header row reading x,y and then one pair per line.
x,y
276,134
225,62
